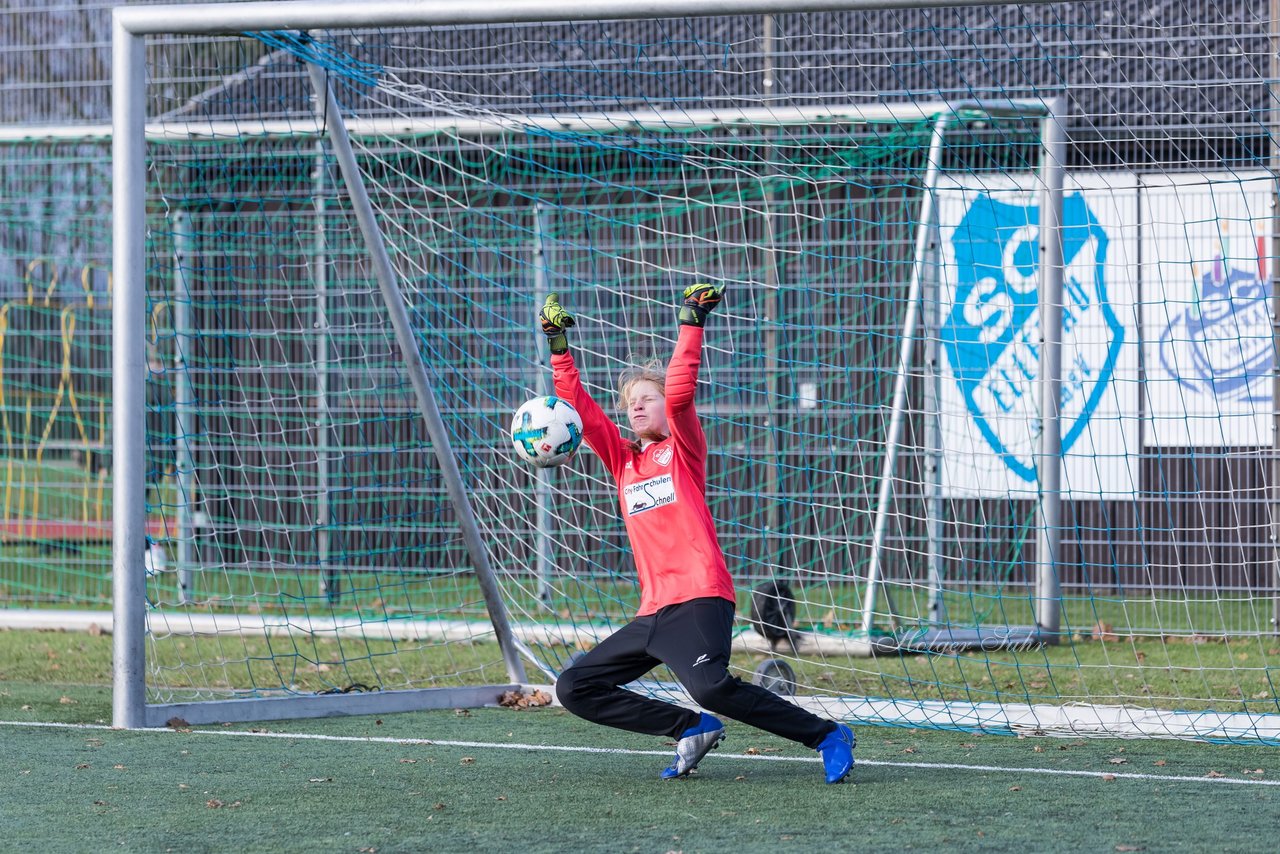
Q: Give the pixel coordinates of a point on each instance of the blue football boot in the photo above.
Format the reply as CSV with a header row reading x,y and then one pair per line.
x,y
695,742
837,753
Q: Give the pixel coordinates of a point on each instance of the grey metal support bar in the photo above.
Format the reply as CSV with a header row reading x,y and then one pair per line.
x,y
1274,89
330,578
183,400
1049,467
910,325
231,18
544,548
387,282
129,378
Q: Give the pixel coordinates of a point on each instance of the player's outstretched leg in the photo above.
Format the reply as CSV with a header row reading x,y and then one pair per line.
x,y
695,742
837,753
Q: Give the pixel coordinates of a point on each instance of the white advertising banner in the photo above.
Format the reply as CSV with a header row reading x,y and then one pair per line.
x,y
989,336
1206,310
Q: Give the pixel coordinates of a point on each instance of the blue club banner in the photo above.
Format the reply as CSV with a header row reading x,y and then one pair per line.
x,y
990,339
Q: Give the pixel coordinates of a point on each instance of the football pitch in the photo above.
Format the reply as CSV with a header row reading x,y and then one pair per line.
x,y
541,780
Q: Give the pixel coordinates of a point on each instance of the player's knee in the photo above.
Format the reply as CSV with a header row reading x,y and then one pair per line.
x,y
716,694
571,691
566,689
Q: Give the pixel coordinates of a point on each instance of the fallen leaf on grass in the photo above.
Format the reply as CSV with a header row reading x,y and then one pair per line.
x,y
758,751
1108,777
177,723
1161,763
521,700
1131,848
1117,760
1215,774
67,701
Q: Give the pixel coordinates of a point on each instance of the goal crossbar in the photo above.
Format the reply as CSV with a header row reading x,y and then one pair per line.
x,y
230,18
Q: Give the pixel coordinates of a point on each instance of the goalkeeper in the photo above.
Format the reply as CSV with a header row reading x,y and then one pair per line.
x,y
687,599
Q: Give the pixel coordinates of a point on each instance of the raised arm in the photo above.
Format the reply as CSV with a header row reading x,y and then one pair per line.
x,y
682,372
598,430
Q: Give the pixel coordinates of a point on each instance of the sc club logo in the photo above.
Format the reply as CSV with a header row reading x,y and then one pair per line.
x,y
992,334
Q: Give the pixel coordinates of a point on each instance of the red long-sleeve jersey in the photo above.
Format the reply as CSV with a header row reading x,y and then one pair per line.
x,y
662,488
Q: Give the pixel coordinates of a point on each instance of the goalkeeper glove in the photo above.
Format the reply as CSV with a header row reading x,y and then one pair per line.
x,y
555,320
699,301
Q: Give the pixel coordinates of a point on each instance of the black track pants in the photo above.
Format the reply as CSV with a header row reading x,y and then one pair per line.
x,y
692,638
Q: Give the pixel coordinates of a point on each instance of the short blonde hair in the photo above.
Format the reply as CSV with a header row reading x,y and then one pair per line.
x,y
649,371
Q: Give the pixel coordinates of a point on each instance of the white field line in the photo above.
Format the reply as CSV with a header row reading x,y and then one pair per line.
x,y
430,742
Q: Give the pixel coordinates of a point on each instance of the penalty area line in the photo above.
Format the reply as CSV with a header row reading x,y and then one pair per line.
x,y
615,751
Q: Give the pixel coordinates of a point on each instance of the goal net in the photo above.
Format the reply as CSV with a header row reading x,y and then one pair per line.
x,y
979,457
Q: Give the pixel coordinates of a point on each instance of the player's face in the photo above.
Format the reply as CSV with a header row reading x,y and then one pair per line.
x,y
647,411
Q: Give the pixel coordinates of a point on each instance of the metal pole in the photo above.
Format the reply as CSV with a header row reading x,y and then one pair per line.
x,y
776,116
898,408
330,579
183,398
542,489
1049,537
937,608
387,282
128,378
1274,91
233,18
772,311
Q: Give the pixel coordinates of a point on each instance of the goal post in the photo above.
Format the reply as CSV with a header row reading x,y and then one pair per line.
x,y
918,298
958,390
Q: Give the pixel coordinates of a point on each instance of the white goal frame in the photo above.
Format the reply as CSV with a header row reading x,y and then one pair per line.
x,y
130,132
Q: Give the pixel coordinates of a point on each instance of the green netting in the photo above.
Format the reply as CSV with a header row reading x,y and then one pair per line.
x,y
295,506
313,490
54,372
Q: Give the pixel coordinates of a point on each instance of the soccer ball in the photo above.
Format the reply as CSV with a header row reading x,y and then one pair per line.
x,y
546,431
